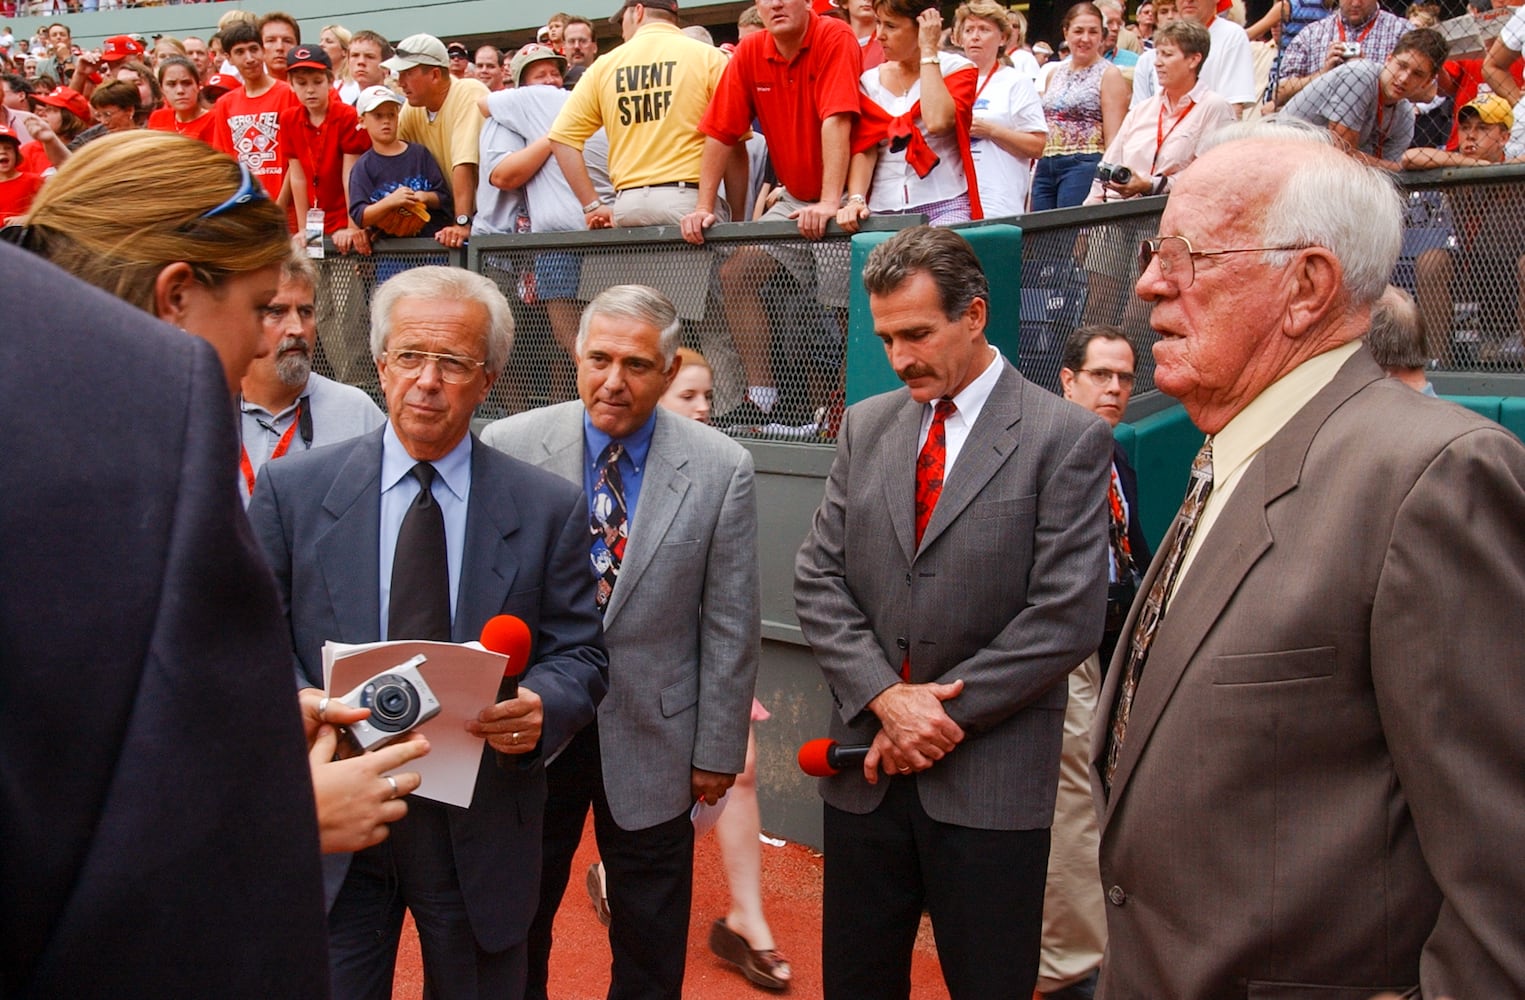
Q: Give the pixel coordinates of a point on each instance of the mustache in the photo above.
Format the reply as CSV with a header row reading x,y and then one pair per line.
x,y
914,371
294,344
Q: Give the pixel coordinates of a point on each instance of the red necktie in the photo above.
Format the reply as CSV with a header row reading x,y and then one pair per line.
x,y
929,466
929,483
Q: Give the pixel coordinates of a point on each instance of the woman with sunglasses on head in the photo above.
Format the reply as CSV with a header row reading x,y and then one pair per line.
x,y
186,233
173,227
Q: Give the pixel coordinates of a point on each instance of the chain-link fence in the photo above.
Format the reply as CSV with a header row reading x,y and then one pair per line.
x,y
768,308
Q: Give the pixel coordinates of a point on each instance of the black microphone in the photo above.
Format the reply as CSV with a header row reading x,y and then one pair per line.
x,y
824,757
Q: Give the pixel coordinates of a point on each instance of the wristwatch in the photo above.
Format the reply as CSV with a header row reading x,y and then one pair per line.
x,y
463,220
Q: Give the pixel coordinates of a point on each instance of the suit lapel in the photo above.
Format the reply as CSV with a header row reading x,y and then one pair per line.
x,y
487,566
350,549
663,487
1238,539
900,480
563,443
991,441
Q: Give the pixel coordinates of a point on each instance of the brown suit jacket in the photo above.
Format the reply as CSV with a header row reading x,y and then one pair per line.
x,y
1322,789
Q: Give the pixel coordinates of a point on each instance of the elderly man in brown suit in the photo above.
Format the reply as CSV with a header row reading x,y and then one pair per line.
x,y
1310,762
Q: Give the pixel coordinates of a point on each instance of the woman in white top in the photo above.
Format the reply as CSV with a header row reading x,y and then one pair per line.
x,y
911,139
1009,130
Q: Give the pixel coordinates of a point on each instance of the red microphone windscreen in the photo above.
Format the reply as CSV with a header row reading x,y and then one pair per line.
x,y
813,759
507,634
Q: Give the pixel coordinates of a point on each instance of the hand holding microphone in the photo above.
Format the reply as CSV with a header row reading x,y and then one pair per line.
x,y
513,725
824,757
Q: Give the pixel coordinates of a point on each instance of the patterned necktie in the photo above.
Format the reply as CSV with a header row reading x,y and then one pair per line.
x,y
608,522
929,466
419,603
1122,549
1153,611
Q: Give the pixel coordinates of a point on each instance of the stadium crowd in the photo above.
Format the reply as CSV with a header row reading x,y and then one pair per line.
x,y
426,138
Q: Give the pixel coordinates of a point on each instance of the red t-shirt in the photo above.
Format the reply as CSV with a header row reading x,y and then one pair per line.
x,y
1468,74
16,195
164,120
249,128
321,150
34,159
789,99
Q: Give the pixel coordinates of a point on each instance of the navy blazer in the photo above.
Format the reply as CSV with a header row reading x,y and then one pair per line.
x,y
157,833
318,517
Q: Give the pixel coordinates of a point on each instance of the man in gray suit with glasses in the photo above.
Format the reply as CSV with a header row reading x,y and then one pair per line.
x,y
673,545
955,573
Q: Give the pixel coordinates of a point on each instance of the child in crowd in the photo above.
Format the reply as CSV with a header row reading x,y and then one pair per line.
x,y
17,187
397,187
325,142
247,125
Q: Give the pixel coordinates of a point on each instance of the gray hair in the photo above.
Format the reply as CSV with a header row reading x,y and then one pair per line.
x,y
1396,339
299,267
446,283
941,254
642,304
1331,200
699,33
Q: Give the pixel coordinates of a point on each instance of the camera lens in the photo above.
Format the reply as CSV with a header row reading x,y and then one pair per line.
x,y
393,702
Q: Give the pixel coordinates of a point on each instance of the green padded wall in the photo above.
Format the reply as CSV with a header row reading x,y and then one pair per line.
x,y
1512,415
999,248
1163,446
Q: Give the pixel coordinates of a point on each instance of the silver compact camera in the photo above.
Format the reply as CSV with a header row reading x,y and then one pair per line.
x,y
1113,173
399,700
1350,50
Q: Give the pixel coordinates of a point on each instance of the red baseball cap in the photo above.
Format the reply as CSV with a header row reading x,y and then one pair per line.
x,y
8,134
119,48
221,83
67,98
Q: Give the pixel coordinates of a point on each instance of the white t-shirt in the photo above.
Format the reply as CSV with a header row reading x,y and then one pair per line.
x,y
530,111
1009,99
895,187
1026,63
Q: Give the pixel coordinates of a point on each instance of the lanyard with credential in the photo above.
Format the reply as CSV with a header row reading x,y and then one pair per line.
x,y
303,421
1161,133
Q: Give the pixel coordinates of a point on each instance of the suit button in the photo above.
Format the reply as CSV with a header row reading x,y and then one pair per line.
x,y
903,642
1116,896
908,579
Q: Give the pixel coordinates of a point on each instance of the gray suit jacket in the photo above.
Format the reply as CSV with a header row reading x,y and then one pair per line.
x,y
1007,591
683,625
1323,781
318,517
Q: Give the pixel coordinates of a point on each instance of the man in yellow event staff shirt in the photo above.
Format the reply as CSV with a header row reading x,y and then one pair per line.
x,y
648,95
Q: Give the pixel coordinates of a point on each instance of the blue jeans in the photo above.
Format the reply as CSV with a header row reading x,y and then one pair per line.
x,y
1063,181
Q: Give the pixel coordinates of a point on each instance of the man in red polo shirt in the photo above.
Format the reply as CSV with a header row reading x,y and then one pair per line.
x,y
799,79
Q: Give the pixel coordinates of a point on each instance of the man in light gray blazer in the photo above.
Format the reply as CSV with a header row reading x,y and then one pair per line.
x,y
673,543
1320,780
955,573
